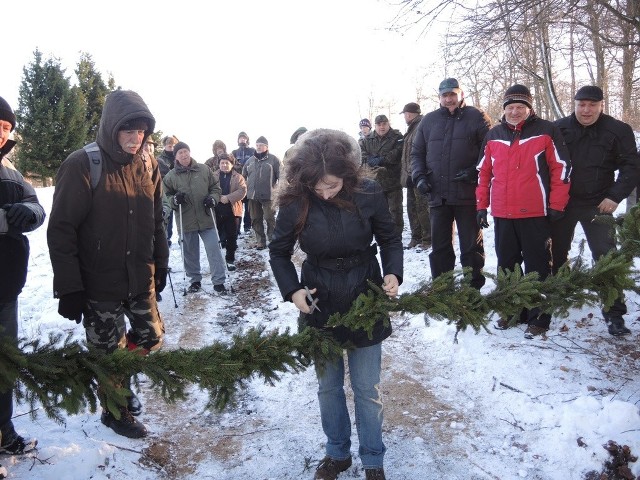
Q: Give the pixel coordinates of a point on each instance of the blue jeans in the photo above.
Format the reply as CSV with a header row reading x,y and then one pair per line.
x,y
364,369
214,255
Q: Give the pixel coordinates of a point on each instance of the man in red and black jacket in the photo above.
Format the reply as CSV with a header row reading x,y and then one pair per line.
x,y
524,172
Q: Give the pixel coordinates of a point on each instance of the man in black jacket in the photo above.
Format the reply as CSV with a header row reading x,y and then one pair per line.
x,y
444,154
19,212
599,146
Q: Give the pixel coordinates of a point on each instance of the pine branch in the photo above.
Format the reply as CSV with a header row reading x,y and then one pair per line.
x,y
64,375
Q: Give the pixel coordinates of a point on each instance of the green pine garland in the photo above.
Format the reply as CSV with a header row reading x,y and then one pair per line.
x,y
63,375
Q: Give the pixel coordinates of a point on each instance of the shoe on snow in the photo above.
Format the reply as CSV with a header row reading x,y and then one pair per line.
x,y
17,445
616,327
231,266
127,426
194,287
134,406
221,289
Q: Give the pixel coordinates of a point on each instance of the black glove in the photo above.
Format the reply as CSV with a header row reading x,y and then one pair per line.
x,y
209,202
71,306
19,215
423,186
481,218
554,215
180,198
466,176
374,161
160,278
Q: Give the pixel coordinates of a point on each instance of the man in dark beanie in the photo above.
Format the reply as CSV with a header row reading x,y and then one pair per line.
x,y
243,153
192,191
605,169
262,172
19,212
108,245
524,172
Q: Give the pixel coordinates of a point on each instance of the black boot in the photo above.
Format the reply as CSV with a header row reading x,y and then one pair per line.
x,y
616,326
126,425
133,402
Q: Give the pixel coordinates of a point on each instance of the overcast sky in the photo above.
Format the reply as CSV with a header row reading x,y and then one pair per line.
x,y
209,71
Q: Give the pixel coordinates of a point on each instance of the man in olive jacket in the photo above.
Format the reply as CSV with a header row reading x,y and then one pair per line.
x,y
107,244
417,205
192,191
382,151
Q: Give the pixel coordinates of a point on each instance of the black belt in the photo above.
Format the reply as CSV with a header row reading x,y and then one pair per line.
x,y
343,263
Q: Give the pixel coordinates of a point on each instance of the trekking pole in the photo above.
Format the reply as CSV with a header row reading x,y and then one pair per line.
x,y
181,241
215,225
172,290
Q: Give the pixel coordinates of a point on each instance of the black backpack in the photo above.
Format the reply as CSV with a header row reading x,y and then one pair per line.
x,y
95,163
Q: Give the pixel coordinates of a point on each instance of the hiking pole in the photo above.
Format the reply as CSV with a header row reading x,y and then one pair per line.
x,y
181,241
172,290
215,225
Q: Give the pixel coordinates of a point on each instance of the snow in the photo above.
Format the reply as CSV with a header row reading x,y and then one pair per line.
x,y
492,406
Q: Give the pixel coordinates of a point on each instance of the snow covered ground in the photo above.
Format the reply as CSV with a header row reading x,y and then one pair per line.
x,y
492,406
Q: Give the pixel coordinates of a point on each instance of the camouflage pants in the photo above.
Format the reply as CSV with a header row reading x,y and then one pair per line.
x,y
105,326
394,198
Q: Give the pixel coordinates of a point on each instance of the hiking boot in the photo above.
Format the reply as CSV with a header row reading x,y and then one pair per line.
x,y
616,326
194,287
127,426
221,289
374,474
534,331
17,445
502,324
231,266
134,405
412,243
328,469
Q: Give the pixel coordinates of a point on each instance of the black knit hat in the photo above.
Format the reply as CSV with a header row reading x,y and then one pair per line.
x,y
517,94
7,114
261,139
179,146
411,107
296,134
589,92
141,123
365,123
243,134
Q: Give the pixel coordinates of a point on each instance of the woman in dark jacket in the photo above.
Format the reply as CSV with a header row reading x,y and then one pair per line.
x,y
335,214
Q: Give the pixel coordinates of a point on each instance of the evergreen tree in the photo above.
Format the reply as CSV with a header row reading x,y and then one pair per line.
x,y
94,91
50,117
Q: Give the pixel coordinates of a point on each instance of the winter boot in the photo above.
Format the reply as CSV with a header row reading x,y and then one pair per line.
x,y
220,289
616,326
14,444
231,266
194,287
127,426
375,474
133,402
330,468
